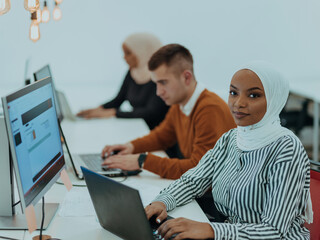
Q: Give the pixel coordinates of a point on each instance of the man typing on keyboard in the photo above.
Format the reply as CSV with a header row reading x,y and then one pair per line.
x,y
196,119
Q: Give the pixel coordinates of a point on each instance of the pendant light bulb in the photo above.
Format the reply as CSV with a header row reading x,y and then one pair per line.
x,y
4,6
57,13
45,15
59,1
31,5
34,32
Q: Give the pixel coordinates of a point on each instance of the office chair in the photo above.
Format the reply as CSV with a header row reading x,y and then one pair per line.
x,y
296,120
315,198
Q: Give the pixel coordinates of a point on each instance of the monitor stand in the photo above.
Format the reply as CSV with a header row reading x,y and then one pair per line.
x,y
11,217
18,221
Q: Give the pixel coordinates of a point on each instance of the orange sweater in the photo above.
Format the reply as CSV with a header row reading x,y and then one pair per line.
x,y
195,134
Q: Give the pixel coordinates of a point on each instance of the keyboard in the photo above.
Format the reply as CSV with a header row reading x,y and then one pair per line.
x,y
93,162
154,226
156,236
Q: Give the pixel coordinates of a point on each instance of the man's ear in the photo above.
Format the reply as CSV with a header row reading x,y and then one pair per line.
x,y
187,76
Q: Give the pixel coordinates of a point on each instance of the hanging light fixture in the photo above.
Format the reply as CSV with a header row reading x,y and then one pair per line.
x,y
34,32
59,1
57,13
45,13
39,16
31,5
4,6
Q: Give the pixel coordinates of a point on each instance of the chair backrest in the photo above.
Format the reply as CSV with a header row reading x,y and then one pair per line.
x,y
314,227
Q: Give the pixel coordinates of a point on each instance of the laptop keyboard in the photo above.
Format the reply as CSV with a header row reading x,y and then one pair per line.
x,y
156,236
93,162
154,226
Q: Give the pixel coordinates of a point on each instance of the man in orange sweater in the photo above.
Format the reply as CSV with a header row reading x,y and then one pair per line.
x,y
196,120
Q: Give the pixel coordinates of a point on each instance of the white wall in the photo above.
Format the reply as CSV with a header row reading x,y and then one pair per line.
x,y
85,46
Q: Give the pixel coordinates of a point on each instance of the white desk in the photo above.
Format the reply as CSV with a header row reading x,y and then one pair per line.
x,y
91,136
309,88
87,227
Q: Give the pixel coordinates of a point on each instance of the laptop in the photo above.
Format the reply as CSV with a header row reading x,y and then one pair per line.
x,y
93,162
119,208
45,72
65,107
62,105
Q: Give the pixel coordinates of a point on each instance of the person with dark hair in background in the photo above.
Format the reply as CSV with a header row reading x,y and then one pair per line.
x,y
137,86
196,119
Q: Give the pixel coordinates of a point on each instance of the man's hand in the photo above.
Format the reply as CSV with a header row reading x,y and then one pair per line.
x,y
185,228
158,209
127,162
98,112
122,149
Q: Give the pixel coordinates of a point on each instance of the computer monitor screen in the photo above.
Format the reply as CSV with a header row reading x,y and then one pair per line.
x,y
34,138
45,72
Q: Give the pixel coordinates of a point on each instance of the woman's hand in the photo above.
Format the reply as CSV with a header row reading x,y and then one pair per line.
x,y
185,228
157,209
98,112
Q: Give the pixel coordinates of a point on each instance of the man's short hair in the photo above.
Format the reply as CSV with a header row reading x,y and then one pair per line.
x,y
172,55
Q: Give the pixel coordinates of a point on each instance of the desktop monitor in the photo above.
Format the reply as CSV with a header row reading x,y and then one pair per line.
x,y
45,72
34,138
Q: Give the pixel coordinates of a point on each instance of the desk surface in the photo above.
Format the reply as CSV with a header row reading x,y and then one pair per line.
x,y
90,136
76,218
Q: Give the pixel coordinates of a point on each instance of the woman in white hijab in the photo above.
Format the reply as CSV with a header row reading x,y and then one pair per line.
x,y
259,172
137,87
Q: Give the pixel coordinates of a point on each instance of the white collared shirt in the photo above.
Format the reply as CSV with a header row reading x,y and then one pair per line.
x,y
186,109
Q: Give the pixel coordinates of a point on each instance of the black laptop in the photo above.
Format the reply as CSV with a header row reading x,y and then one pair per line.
x,y
119,208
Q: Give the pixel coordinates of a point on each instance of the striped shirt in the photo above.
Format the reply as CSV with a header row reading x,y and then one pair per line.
x,y
263,192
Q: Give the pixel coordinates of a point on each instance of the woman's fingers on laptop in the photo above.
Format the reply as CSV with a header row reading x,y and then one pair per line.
x,y
182,228
162,216
158,209
169,228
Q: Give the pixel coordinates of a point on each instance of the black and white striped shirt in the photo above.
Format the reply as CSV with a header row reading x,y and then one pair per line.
x,y
262,192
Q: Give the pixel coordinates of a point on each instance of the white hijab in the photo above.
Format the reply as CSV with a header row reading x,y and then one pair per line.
x,y
143,45
268,129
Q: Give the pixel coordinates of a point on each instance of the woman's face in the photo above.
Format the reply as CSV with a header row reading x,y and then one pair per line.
x,y
130,57
247,100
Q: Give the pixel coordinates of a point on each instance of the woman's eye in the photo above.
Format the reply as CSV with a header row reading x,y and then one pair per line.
x,y
232,93
254,95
